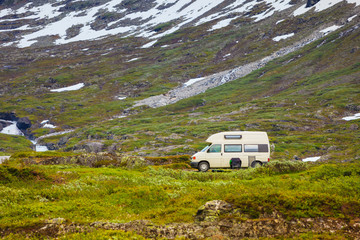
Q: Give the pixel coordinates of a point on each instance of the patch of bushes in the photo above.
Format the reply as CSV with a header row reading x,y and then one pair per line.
x,y
11,174
280,167
168,159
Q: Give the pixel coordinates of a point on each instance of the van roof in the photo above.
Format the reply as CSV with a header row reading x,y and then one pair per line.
x,y
239,136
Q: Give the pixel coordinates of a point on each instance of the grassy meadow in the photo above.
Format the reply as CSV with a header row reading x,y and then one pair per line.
x,y
34,194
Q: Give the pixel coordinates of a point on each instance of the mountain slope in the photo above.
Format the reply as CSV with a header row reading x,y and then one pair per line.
x,y
62,22
118,71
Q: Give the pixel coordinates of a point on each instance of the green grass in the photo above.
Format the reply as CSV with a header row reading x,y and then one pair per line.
x,y
11,143
82,195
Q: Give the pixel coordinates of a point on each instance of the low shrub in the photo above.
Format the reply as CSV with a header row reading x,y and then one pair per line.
x,y
277,167
11,174
168,159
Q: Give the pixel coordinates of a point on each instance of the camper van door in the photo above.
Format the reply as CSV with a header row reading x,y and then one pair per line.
x,y
214,155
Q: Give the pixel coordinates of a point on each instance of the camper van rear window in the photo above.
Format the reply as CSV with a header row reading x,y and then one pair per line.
x,y
256,148
233,136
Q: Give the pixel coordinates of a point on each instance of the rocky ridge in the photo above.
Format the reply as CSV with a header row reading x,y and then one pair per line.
x,y
216,220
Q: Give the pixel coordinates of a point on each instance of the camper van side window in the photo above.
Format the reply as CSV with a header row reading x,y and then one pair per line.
x,y
232,148
215,148
251,148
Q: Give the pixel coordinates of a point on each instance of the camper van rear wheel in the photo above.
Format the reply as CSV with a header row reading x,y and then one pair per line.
x,y
203,166
256,164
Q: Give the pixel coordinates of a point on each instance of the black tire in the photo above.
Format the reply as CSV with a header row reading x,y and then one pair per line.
x,y
203,167
256,164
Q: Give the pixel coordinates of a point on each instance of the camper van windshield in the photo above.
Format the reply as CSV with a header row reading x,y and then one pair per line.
x,y
205,148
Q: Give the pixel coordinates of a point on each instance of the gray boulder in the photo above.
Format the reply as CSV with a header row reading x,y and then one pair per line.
x,y
94,147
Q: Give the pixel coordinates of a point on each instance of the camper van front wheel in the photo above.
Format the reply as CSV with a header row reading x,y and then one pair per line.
x,y
203,166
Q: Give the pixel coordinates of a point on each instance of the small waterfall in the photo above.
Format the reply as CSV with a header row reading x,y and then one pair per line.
x,y
12,129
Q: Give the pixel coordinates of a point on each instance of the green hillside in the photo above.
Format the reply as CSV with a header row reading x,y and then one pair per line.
x,y
298,99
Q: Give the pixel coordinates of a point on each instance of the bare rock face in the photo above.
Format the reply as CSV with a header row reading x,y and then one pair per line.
x,y
94,147
8,116
23,123
311,3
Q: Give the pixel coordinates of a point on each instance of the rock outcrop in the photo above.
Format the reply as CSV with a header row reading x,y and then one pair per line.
x,y
9,116
23,123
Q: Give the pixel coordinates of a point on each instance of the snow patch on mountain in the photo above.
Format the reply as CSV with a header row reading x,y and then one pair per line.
x,y
354,117
278,38
221,24
351,18
52,20
192,81
149,44
322,5
330,29
12,129
311,159
70,88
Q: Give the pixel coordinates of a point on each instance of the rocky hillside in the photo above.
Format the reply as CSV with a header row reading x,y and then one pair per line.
x,y
156,77
44,23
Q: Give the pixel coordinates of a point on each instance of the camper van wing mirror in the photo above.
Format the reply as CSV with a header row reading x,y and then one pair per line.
x,y
232,136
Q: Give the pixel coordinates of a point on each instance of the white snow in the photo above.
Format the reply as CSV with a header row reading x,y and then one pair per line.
x,y
275,6
354,117
48,125
221,24
330,29
133,59
192,81
351,18
12,129
44,121
70,88
311,159
121,98
184,10
322,5
227,55
39,148
280,21
149,44
278,38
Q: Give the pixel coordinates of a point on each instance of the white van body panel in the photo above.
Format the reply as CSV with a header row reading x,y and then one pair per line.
x,y
247,146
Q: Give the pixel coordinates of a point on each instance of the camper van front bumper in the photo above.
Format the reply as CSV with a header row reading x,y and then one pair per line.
x,y
194,164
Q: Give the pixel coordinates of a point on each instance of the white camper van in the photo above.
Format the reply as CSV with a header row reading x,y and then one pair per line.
x,y
238,149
